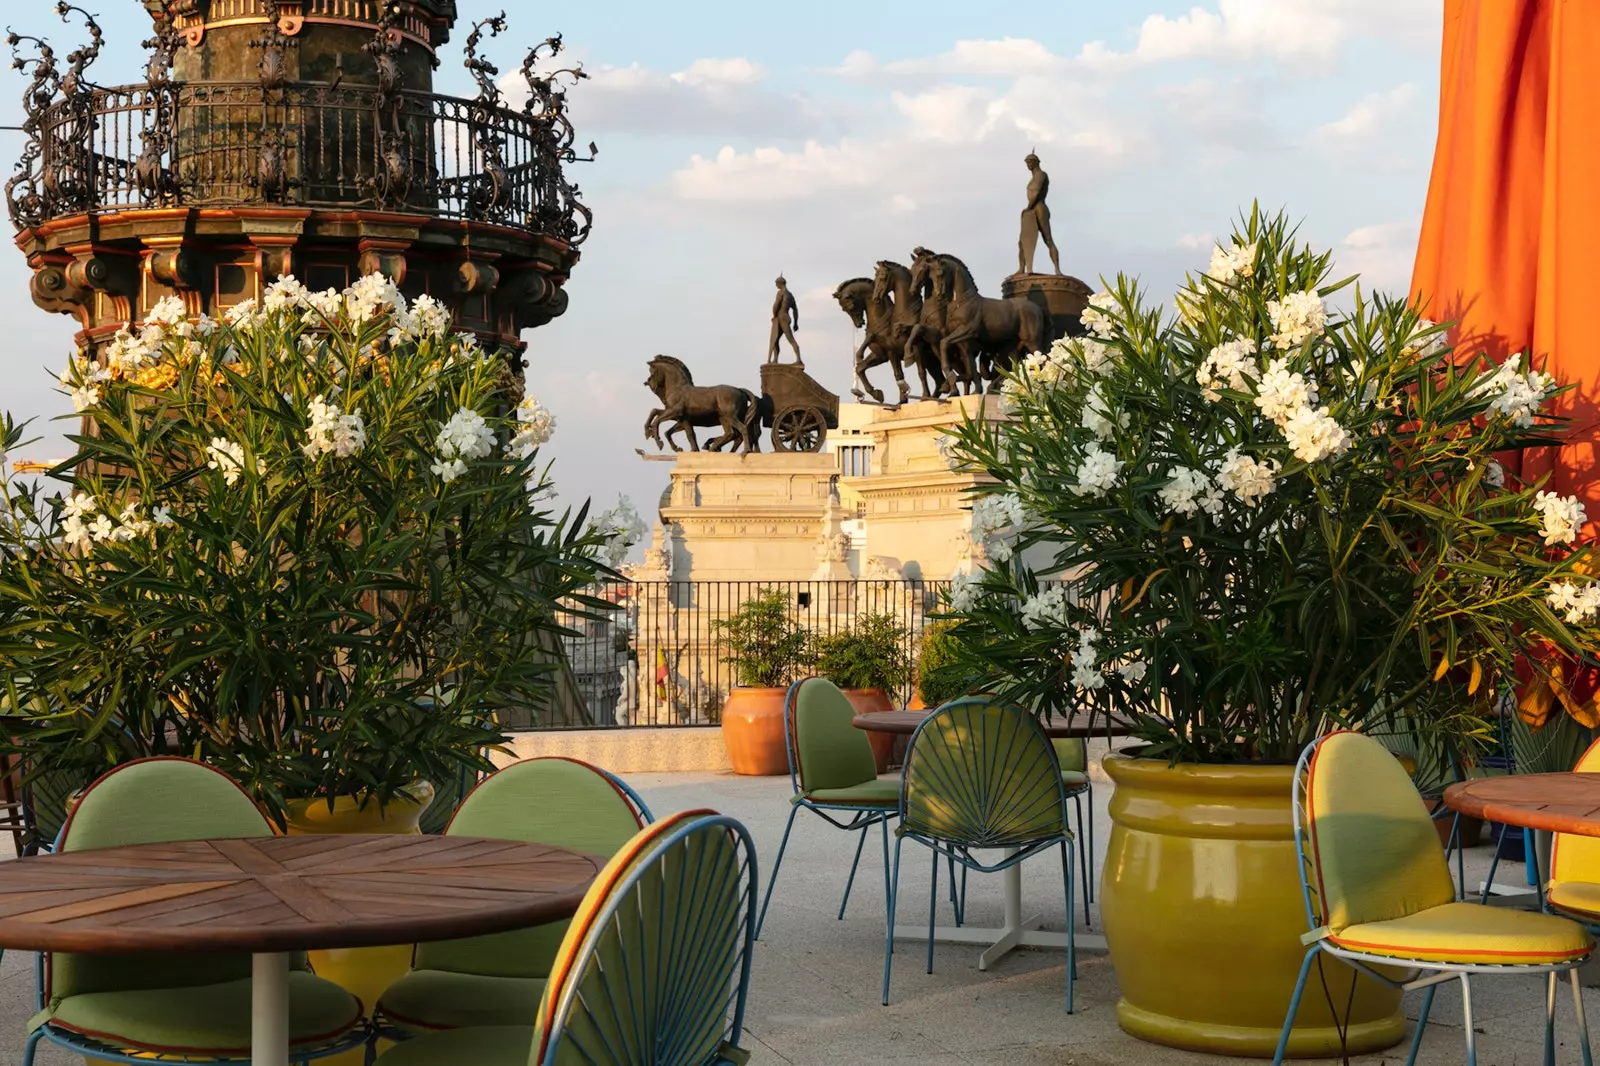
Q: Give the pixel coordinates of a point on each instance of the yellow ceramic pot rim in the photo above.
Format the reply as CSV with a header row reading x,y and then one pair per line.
x,y
1230,779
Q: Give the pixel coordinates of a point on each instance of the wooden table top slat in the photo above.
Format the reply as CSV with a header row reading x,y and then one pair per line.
x,y
1555,803
286,893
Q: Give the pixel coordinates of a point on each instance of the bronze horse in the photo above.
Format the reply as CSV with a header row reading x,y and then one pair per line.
x,y
686,405
914,324
869,311
1001,331
929,336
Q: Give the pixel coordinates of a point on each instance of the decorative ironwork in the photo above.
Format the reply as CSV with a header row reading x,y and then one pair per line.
x,y
547,106
222,144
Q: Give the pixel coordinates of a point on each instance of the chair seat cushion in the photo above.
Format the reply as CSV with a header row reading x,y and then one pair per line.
x,y
1470,933
489,1045
1581,899
879,792
425,1000
1072,780
208,1018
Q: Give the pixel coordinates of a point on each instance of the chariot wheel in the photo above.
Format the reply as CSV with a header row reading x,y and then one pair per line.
x,y
799,429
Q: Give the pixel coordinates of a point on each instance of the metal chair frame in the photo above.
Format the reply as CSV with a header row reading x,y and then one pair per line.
x,y
862,817
1424,974
729,1052
960,852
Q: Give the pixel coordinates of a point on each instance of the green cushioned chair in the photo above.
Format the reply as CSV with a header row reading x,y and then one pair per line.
x,y
498,979
981,775
126,1008
833,773
654,968
1073,755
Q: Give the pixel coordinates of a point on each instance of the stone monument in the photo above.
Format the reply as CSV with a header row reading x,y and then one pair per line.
x,y
1060,296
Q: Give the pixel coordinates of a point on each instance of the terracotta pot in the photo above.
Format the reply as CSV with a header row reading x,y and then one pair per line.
x,y
875,701
752,729
916,703
1202,912
364,972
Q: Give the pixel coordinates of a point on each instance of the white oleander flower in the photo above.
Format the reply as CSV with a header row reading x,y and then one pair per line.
x,y
80,505
1560,517
246,315
429,318
101,528
126,352
1313,435
1578,603
1433,345
74,532
1494,475
1133,672
1049,608
1096,317
1228,263
1086,672
1097,473
168,313
1097,417
449,469
963,592
997,513
323,307
161,515
466,436
1517,396
130,525
1296,318
1191,491
535,425
333,433
227,457
284,295
1247,478
1282,392
373,296
85,397
1230,365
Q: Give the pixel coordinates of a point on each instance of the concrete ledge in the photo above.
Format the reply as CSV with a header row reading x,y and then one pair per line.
x,y
669,749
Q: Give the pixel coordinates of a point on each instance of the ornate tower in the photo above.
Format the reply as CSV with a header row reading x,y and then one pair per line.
x,y
295,136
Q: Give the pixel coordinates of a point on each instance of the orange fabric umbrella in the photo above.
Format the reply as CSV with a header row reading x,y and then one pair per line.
x,y
1512,226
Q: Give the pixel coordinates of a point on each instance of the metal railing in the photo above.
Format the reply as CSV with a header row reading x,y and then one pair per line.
x,y
660,659
221,144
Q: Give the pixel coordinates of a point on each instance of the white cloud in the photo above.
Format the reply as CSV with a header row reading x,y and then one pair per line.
x,y
1370,116
1195,241
720,72
1382,253
1007,57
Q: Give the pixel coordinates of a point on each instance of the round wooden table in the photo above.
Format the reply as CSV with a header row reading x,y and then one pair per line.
x,y
906,722
270,896
1553,803
1016,931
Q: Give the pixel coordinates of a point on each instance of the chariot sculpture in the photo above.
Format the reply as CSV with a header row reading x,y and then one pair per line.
x,y
797,409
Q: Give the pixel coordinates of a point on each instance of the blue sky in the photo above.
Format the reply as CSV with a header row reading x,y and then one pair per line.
x,y
738,140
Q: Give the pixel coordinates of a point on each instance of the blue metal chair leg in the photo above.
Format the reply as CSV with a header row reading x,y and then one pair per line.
x,y
1494,864
1461,860
933,905
1083,861
773,880
888,945
850,883
1583,1022
1294,1006
1466,1019
31,1046
1072,950
1422,1024
887,892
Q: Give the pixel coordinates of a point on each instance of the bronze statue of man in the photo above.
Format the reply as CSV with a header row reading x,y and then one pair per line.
x,y
1036,220
785,320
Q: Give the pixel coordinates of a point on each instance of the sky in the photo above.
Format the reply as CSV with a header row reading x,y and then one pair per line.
x,y
738,140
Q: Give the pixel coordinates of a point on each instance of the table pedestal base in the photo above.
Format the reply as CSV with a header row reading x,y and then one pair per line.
x,y
269,1010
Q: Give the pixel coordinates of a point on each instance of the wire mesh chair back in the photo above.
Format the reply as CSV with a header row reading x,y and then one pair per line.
x,y
984,774
44,804
656,967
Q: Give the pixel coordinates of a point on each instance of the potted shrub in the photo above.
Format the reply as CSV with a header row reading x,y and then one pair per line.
x,y
941,675
307,545
868,660
766,647
1271,519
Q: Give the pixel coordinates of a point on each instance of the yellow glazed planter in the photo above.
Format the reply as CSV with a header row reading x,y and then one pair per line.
x,y
364,972
1203,916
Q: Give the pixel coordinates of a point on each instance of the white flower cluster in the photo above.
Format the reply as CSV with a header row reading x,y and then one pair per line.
x,y
1282,391
371,297
535,424
245,316
1049,608
84,378
963,592
1097,416
1086,672
1190,491
333,433
1248,478
1286,397
284,296
947,445
466,436
1560,517
1432,345
227,457
1578,603
623,529
1133,672
1043,371
1517,396
1097,473
83,524
994,520
1230,365
1229,263
427,318
1296,318
1096,318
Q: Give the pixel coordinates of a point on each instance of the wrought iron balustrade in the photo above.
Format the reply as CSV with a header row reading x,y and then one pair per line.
x,y
226,144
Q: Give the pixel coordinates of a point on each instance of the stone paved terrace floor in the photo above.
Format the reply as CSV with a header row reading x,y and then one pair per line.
x,y
814,998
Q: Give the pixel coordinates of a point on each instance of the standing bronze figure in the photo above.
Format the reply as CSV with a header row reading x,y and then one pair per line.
x,y
1036,220
785,320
